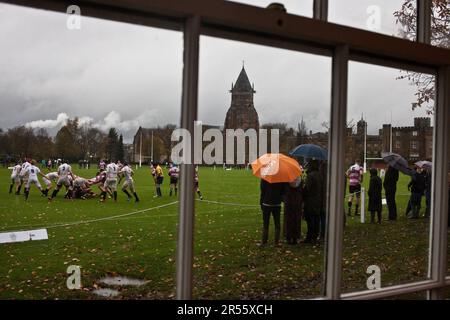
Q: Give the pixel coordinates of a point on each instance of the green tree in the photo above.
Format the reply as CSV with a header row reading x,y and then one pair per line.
x,y
111,144
120,153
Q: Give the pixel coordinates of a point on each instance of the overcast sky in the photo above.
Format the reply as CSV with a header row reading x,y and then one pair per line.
x,y
115,74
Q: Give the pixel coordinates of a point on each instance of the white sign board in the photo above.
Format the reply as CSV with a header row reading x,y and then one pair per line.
x,y
383,201
21,236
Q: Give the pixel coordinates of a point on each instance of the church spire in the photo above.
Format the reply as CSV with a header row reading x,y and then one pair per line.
x,y
242,84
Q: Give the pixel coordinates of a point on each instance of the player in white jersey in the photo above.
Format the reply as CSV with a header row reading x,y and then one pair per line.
x,y
174,172
64,174
33,173
15,177
128,173
48,179
23,174
112,172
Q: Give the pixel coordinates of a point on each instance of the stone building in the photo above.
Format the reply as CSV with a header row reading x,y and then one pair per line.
x,y
242,113
413,143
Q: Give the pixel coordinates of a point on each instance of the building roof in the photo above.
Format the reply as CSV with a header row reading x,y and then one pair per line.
x,y
243,83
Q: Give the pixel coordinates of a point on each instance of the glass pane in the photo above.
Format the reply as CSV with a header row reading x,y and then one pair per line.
x,y
273,89
388,191
392,17
81,96
298,7
440,23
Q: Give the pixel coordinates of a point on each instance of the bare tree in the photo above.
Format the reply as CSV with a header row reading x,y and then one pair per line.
x,y
440,36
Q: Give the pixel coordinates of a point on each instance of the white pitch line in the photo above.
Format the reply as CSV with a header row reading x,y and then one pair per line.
x,y
121,216
105,218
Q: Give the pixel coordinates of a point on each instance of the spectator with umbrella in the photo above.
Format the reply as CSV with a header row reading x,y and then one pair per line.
x,y
275,171
426,166
374,193
390,188
293,203
313,201
417,186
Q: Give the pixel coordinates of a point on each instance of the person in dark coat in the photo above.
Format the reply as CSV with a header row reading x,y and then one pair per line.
x,y
293,203
375,188
427,192
417,187
270,201
313,200
390,188
323,167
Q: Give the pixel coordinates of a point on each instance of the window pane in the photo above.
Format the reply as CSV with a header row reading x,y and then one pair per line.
x,y
392,17
114,78
298,7
387,207
274,89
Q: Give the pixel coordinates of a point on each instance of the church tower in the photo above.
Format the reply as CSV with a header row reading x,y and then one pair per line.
x,y
242,113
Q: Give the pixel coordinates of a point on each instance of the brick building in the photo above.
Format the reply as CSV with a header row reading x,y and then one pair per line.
x,y
413,143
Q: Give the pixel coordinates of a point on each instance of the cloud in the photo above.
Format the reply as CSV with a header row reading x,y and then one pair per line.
x,y
113,119
61,120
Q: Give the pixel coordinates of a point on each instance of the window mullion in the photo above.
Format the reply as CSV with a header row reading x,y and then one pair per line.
x,y
438,258
336,169
185,245
320,10
424,21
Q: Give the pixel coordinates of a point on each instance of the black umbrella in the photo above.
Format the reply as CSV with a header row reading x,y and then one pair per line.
x,y
396,161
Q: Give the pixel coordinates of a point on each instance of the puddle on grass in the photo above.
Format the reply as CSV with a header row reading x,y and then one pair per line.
x,y
108,293
122,281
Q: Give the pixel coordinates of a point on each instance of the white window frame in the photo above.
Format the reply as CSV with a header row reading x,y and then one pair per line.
x,y
272,28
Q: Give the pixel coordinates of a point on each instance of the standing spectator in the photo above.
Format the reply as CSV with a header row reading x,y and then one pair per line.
x,y
417,187
390,188
375,188
293,202
313,201
159,179
355,177
427,172
323,215
270,201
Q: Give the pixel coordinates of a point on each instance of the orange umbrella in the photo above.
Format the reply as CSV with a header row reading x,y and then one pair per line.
x,y
275,167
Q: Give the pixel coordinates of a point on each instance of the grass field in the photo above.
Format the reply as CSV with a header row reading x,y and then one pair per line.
x,y
228,262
